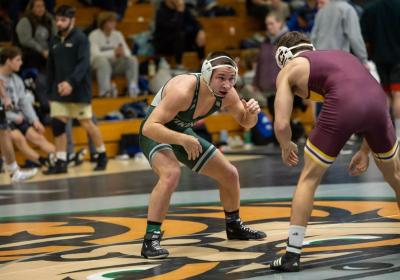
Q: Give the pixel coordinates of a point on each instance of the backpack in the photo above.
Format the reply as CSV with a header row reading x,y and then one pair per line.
x,y
134,110
129,144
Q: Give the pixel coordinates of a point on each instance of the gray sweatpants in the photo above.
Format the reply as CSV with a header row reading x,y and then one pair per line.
x,y
107,67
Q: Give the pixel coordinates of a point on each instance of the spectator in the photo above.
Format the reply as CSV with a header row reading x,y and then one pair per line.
x,y
6,145
263,86
15,7
267,70
279,7
33,34
337,27
24,122
380,23
110,55
302,19
70,87
177,31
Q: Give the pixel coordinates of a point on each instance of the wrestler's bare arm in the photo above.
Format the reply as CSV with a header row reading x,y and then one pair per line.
x,y
283,108
176,98
245,113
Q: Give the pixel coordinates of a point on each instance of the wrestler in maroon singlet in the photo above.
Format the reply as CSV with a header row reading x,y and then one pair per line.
x,y
354,102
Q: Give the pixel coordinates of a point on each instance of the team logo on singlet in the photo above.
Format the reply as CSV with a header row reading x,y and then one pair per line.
x,y
183,124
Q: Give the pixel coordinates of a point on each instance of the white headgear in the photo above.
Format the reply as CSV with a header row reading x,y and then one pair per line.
x,y
284,54
207,68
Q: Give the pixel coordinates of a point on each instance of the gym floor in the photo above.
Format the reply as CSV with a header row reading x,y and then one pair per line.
x,y
90,225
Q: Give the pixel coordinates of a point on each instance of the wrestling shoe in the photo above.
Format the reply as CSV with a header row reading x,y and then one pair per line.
x,y
151,248
101,162
237,230
76,159
289,262
59,167
44,161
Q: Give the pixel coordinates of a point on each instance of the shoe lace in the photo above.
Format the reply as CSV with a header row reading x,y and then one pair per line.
x,y
247,229
277,262
155,243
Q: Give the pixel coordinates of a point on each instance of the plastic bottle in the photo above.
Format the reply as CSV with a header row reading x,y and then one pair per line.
x,y
247,139
151,68
223,136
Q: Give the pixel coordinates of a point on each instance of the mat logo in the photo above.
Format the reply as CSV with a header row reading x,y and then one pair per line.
x,y
366,240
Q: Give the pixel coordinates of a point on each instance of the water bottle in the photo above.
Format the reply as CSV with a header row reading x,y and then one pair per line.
x,y
223,136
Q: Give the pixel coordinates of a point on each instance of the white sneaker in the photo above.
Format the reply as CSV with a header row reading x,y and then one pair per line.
x,y
114,90
133,90
22,175
122,157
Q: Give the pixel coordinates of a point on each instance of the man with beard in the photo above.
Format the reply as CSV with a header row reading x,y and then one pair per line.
x,y
167,138
69,87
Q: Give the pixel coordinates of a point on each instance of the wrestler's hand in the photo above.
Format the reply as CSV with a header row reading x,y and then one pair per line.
x,y
289,154
359,163
251,106
192,146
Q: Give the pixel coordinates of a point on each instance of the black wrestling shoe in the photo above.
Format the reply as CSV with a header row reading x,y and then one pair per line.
x,y
289,262
101,162
76,159
237,230
44,161
59,167
151,248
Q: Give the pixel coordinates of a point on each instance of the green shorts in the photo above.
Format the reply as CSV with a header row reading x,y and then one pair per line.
x,y
150,148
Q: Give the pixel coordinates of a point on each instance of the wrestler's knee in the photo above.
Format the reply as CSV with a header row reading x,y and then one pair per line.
x,y
170,178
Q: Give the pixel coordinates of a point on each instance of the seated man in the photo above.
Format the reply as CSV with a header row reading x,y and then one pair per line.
x,y
267,71
177,31
24,122
7,149
110,55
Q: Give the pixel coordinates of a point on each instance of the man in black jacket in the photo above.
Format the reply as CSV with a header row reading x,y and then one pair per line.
x,y
69,87
383,41
177,31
